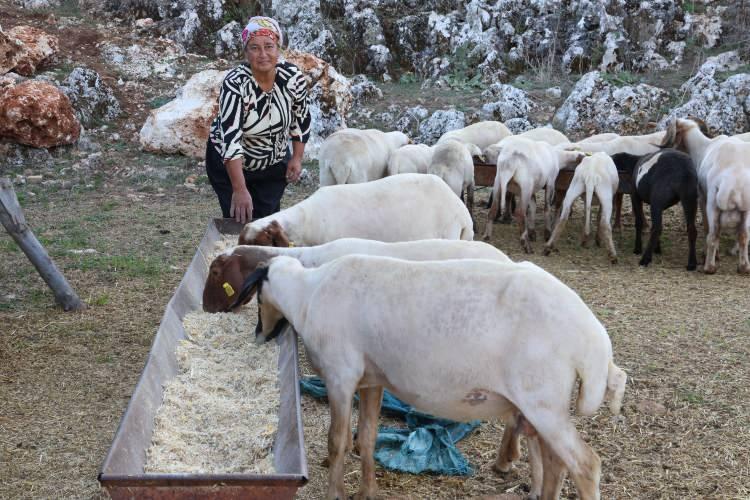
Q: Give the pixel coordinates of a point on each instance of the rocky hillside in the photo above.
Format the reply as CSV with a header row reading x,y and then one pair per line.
x,y
146,71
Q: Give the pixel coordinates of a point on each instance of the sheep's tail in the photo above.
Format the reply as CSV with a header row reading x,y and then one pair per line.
x,y
506,174
334,172
735,195
597,386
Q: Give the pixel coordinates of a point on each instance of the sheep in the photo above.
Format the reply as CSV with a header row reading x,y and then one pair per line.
x,y
416,158
633,144
452,162
372,322
402,207
595,174
351,156
546,134
661,179
532,165
723,182
481,134
412,158
228,271
236,263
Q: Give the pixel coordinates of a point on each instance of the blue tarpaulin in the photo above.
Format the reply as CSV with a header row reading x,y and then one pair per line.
x,y
428,445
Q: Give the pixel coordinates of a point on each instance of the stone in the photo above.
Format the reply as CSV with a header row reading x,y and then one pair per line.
x,y
330,98
182,125
553,93
595,105
38,4
364,90
145,22
38,48
10,50
518,125
305,28
507,102
153,58
438,123
716,96
38,114
92,99
228,42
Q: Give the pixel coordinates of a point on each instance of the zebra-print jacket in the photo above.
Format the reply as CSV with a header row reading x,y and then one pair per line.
x,y
258,125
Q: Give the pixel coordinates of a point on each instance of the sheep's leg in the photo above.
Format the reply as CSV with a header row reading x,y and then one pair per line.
x,y
605,229
531,218
712,239
491,216
522,223
689,208
618,211
510,448
369,408
574,191
470,197
553,472
742,241
510,207
536,464
549,193
639,218
562,439
340,403
598,235
656,226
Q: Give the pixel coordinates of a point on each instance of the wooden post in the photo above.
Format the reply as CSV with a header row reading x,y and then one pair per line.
x,y
13,220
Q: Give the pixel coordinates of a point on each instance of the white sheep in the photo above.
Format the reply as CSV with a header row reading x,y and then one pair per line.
x,y
546,134
481,134
452,162
402,207
724,185
460,339
351,156
531,165
410,159
596,174
638,145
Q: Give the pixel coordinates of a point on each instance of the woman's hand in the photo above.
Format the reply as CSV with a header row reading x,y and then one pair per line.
x,y
242,206
293,169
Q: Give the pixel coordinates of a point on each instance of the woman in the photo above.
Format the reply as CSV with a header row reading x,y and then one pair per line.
x,y
262,105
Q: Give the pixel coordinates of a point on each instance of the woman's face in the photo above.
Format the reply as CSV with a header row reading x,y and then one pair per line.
x,y
262,53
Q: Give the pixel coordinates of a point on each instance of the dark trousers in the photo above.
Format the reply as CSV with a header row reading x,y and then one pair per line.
x,y
265,186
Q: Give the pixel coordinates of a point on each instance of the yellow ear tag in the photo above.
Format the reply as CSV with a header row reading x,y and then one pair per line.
x,y
291,244
228,289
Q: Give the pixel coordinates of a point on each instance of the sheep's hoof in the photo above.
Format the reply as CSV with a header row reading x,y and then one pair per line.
x,y
691,266
743,269
644,262
527,247
547,234
637,251
502,469
613,259
547,250
486,237
709,269
325,462
585,243
532,235
657,250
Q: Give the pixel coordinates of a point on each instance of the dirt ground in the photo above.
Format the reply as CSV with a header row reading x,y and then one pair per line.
x,y
65,378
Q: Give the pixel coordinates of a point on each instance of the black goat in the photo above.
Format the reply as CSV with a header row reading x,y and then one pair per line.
x,y
661,179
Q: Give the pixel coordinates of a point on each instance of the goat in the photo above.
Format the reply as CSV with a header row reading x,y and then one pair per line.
x,y
596,174
402,207
532,166
723,182
481,134
661,179
373,322
351,156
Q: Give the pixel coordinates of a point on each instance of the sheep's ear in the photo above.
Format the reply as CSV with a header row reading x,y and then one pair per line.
x,y
670,135
251,283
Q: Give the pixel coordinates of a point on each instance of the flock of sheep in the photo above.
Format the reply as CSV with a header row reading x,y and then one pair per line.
x,y
381,278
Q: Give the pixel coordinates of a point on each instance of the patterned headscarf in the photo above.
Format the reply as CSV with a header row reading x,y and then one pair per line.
x,y
261,26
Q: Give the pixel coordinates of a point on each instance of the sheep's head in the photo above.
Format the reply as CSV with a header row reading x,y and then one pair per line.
x,y
226,276
491,153
678,130
571,158
270,320
273,235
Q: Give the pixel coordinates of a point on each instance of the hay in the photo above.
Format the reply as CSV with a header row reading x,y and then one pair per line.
x,y
220,413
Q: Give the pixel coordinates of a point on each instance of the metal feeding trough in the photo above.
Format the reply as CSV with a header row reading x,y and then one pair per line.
x,y
122,474
484,175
